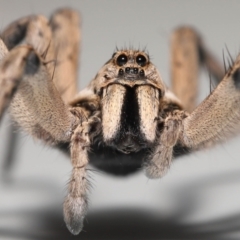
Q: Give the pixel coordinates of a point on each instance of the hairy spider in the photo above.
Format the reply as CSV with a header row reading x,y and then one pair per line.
x,y
125,114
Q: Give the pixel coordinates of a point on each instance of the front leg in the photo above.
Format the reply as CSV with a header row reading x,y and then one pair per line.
x,y
76,202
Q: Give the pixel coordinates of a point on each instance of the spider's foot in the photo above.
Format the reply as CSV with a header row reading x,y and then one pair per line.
x,y
154,171
159,163
74,213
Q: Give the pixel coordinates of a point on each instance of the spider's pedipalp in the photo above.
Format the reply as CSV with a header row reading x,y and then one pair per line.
x,y
160,159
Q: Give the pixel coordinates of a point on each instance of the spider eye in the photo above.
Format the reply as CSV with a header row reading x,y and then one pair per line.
x,y
141,60
122,59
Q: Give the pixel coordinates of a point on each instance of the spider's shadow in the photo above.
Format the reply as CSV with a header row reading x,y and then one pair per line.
x,y
134,223
122,224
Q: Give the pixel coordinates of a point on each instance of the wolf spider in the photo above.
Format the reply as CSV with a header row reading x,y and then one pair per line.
x,y
125,115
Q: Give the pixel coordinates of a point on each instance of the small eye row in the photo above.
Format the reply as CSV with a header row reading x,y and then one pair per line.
x,y
122,59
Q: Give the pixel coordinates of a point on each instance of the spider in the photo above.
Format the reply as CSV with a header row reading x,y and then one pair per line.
x,y
126,114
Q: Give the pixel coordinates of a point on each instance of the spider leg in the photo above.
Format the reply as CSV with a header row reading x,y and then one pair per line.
x,y
187,53
36,106
3,50
75,204
65,25
218,117
33,30
56,40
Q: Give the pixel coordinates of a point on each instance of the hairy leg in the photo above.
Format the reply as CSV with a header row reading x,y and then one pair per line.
x,y
76,202
36,105
75,205
33,30
56,40
65,25
187,53
3,50
218,117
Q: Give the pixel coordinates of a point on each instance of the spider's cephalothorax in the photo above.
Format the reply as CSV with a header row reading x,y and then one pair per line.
x,y
133,106
130,89
126,117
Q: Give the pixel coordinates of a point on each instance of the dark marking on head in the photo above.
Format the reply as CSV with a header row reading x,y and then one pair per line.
x,y
32,63
107,77
236,78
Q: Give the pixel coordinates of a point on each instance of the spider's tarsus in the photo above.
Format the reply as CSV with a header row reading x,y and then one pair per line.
x,y
75,227
152,171
74,212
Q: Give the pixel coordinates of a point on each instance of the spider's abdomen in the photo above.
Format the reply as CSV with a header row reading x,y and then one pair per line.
x,y
129,116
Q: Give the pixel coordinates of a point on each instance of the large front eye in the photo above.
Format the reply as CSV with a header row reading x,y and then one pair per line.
x,y
122,60
141,60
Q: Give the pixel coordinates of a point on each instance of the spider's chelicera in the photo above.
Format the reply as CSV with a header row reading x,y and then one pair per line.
x,y
126,118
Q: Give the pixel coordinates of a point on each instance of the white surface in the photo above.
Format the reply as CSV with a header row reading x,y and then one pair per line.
x,y
199,197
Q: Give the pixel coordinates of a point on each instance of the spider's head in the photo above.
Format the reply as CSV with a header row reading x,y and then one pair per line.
x,y
131,68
